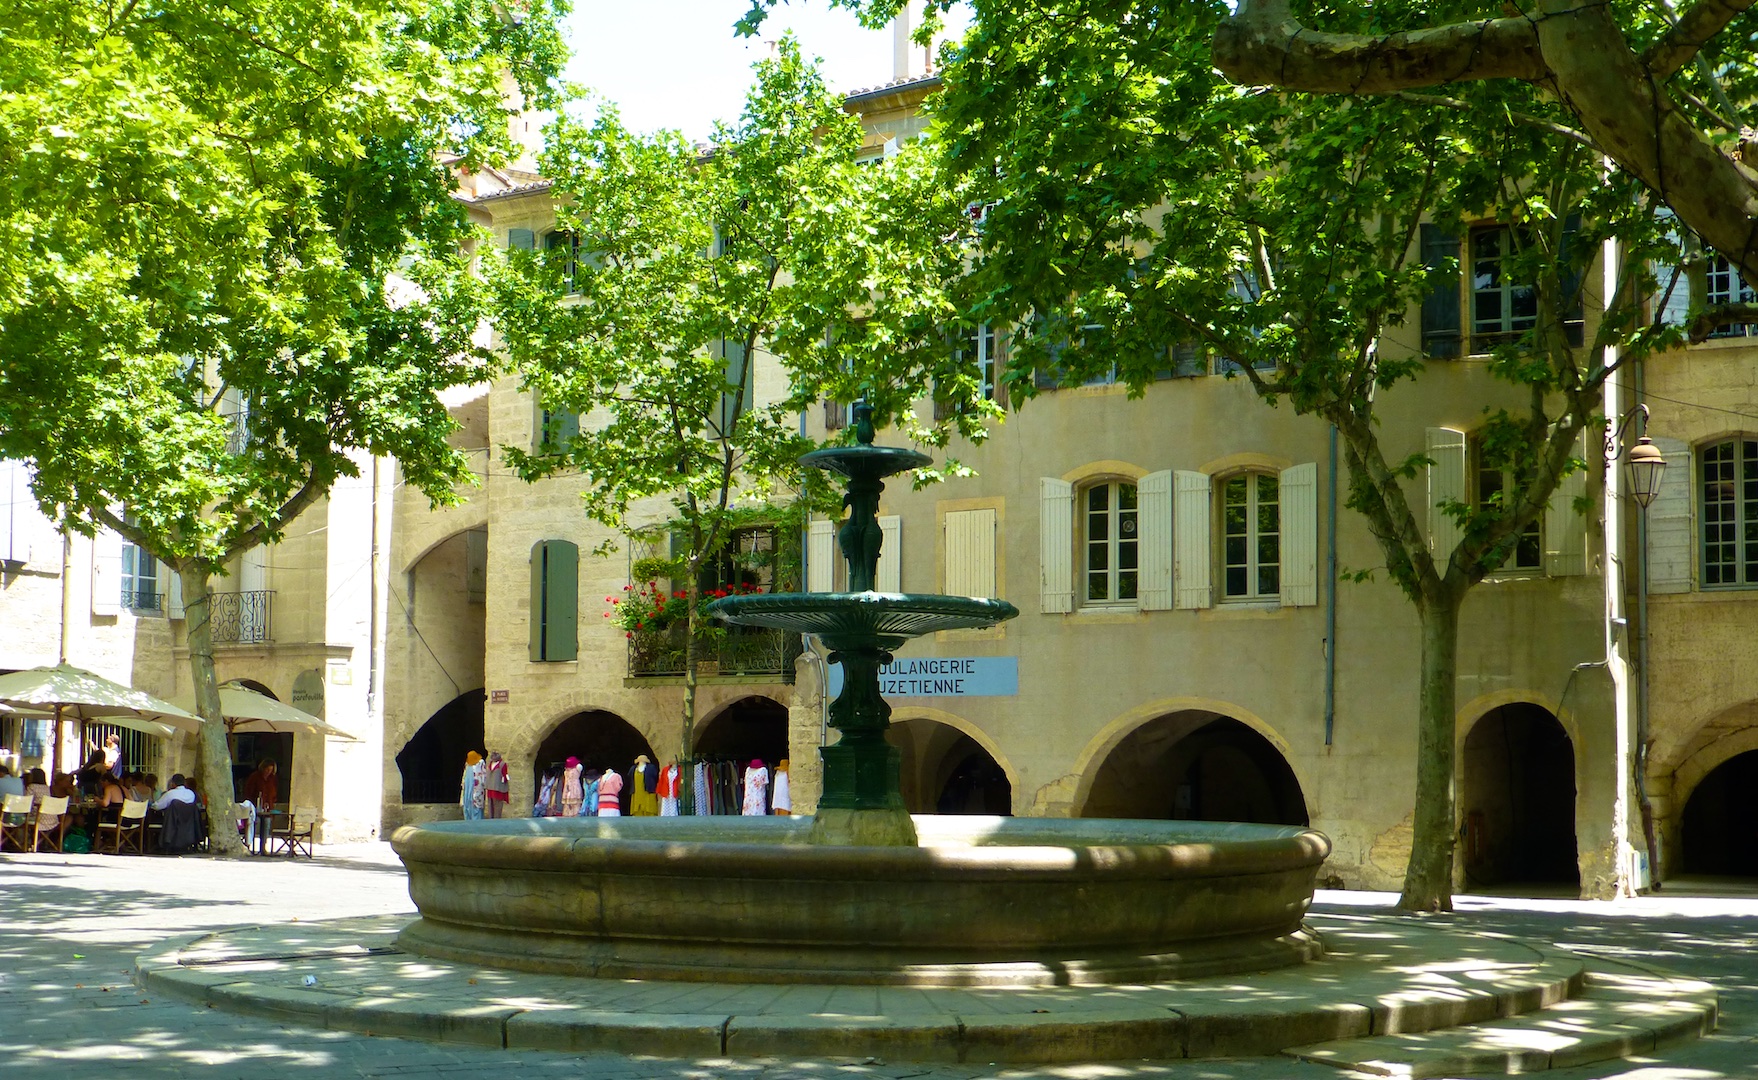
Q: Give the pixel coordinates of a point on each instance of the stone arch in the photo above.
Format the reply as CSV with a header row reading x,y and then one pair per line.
x,y
1085,474
601,739
754,726
1193,763
1718,817
1517,815
949,766
1100,746
431,762
431,530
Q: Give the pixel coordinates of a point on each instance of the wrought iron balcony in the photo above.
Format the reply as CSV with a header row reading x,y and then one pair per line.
x,y
738,650
240,618
144,601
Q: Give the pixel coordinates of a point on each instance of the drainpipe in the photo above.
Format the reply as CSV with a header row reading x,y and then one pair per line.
x,y
1331,591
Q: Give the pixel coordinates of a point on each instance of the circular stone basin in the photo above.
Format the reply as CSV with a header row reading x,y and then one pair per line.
x,y
982,901
848,620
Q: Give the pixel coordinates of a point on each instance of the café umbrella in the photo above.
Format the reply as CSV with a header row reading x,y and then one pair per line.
x,y
72,693
244,709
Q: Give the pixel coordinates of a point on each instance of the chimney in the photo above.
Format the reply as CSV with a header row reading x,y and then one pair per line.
x,y
900,44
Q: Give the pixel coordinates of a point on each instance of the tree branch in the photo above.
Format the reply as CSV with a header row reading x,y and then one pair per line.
x,y
1680,45
1720,315
1519,117
313,490
1263,45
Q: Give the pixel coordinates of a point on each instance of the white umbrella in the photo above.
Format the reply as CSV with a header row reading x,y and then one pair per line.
x,y
246,710
75,693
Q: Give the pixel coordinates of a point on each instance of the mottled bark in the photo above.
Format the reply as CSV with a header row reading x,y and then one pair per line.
x,y
1576,52
1428,880
215,776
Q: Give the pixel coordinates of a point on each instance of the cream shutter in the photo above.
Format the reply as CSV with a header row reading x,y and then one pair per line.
x,y
1565,530
1299,495
1190,549
821,556
175,589
889,575
1446,483
1154,493
1670,550
106,573
1055,545
970,553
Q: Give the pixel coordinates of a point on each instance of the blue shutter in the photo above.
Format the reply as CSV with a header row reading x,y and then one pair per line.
x,y
1440,308
521,240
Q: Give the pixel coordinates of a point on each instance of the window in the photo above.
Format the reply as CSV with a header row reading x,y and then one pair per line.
x,y
567,255
745,561
1251,536
555,600
1729,473
1110,543
1493,486
977,351
1502,306
140,581
555,429
1726,286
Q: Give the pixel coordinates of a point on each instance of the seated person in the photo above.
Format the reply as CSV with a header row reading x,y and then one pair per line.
x,y
10,784
66,785
178,792
136,787
35,787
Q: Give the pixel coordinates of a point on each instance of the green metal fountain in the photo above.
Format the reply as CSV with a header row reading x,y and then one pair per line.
x,y
862,802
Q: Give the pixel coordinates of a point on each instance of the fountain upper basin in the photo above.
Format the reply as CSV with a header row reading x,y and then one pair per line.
x,y
852,619
980,902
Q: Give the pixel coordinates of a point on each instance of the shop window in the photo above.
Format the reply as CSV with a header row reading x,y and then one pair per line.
x,y
1251,537
1110,543
1728,490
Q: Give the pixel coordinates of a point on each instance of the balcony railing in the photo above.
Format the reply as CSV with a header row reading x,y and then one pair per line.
x,y
240,618
739,650
143,601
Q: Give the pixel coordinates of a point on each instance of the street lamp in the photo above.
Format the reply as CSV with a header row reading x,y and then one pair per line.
x,y
1644,467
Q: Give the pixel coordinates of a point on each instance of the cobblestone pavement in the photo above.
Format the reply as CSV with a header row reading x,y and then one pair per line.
x,y
71,926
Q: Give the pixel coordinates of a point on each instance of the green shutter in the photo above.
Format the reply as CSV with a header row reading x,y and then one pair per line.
x,y
1440,308
1572,278
539,552
521,240
561,596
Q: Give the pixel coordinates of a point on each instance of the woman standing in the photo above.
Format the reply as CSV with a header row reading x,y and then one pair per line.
x,y
495,797
573,791
475,778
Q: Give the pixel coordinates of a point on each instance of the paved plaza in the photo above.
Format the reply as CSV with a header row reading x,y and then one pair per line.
x,y
74,926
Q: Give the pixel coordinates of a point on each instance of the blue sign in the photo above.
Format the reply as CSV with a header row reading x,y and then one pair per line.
x,y
943,676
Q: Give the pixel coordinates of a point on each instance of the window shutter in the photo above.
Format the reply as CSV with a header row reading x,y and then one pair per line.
x,y
1446,483
1565,530
539,555
14,488
106,573
1154,495
567,428
821,556
521,240
1674,308
1440,308
1190,521
1299,494
1055,545
561,601
1669,521
889,575
174,591
970,553
733,397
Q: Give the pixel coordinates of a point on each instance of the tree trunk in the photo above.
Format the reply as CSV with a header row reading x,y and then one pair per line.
x,y
215,766
1428,880
686,771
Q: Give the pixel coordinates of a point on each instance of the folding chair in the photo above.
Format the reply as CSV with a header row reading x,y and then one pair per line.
x,y
17,826
129,829
296,837
56,808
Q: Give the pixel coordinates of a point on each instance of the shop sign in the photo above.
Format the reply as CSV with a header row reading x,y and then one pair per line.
x,y
943,676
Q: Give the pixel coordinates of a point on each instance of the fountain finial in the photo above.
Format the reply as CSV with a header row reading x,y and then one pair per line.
x,y
864,422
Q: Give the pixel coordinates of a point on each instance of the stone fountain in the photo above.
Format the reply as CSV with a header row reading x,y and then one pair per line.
x,y
861,892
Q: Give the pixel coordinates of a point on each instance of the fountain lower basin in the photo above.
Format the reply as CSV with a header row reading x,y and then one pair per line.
x,y
980,902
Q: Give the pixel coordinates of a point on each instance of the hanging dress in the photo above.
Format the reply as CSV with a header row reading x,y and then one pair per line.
x,y
756,788
545,805
701,789
589,808
475,777
643,788
610,789
496,792
781,799
573,792
668,790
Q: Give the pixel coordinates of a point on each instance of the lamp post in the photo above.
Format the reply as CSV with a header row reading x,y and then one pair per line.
x,y
1644,468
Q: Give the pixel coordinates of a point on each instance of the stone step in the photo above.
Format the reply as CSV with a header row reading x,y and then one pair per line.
x,y
1623,1009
